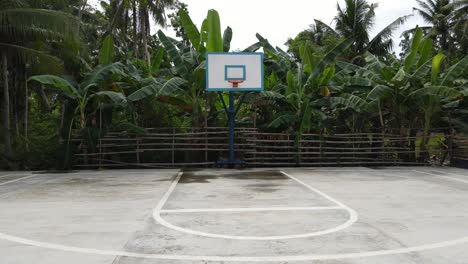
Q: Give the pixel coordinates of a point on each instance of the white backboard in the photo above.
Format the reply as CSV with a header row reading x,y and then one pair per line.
x,y
223,68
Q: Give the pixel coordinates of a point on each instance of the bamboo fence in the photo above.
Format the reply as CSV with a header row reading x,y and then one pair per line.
x,y
202,147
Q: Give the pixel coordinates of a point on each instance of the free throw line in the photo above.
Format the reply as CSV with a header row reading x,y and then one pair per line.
x,y
254,209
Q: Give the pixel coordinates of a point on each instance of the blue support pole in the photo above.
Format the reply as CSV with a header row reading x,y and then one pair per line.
x,y
232,119
231,112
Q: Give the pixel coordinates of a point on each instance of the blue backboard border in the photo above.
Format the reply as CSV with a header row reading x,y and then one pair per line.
x,y
236,89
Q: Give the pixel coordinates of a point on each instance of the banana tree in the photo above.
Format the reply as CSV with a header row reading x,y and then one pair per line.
x,y
387,84
83,93
185,86
408,94
306,86
306,83
443,93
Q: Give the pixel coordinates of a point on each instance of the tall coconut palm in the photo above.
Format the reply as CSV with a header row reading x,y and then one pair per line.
x,y
437,13
356,19
459,19
157,10
142,11
21,28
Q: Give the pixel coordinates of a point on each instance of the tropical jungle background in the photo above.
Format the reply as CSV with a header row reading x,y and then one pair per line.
x,y
69,69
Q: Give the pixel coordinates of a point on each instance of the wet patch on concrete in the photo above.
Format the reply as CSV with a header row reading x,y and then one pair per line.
x,y
263,187
82,181
264,190
191,176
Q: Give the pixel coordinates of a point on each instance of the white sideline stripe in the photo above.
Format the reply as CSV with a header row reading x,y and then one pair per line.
x,y
443,177
216,210
353,216
6,175
286,258
451,173
15,180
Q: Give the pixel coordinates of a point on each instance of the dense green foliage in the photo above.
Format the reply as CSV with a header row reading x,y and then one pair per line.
x,y
70,69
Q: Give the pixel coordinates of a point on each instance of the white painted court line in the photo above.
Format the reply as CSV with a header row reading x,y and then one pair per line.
x,y
6,175
317,191
353,216
283,258
451,173
443,177
254,209
15,180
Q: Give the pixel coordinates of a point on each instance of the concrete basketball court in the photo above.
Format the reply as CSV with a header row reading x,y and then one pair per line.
x,y
408,215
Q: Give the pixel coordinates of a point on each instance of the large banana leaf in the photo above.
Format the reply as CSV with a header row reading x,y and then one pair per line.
x,y
329,58
436,90
190,29
266,45
172,87
347,67
379,92
117,98
157,60
174,54
306,121
455,71
358,81
285,119
227,37
425,51
400,76
103,73
409,60
106,53
350,101
327,75
252,48
57,82
436,66
422,71
291,87
150,89
215,41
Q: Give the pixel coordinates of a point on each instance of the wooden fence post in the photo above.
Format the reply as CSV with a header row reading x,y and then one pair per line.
x,y
173,143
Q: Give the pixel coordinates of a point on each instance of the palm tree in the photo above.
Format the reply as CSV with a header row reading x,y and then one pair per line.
x,y
21,28
437,13
156,9
356,20
142,11
459,19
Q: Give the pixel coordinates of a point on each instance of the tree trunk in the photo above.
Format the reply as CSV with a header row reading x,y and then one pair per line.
x,y
6,109
15,107
26,112
144,34
80,14
125,22
43,98
62,124
135,37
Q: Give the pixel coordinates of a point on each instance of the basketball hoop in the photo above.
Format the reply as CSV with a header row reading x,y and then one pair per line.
x,y
235,83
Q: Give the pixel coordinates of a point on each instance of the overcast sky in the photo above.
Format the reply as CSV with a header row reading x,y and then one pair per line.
x,y
279,20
